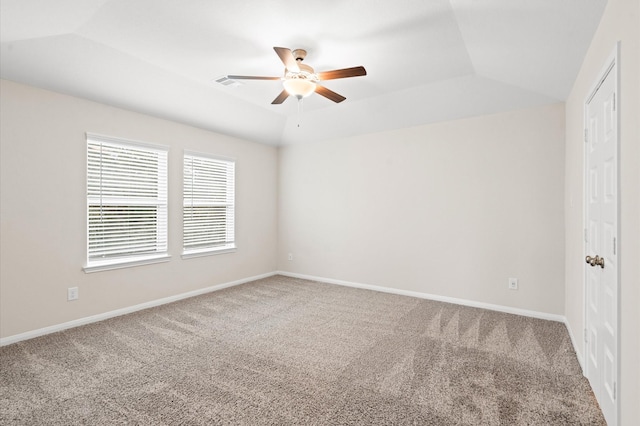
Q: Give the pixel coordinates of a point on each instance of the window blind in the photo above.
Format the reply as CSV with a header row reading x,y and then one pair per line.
x,y
126,198
209,204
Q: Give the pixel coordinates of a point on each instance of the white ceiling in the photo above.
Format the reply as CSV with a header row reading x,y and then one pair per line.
x,y
427,61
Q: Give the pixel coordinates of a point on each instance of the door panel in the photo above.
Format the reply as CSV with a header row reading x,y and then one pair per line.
x,y
601,308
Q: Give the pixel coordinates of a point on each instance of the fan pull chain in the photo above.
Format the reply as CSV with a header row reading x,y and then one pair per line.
x,y
299,110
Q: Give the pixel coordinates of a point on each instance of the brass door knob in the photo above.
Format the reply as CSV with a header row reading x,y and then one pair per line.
x,y
593,261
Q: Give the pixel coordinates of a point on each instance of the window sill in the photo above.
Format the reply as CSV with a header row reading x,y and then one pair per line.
x,y
107,265
207,252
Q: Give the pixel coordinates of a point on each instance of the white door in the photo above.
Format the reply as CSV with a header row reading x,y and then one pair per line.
x,y
601,251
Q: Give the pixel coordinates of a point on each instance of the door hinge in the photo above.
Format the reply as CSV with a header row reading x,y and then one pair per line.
x,y
585,335
586,238
614,390
586,135
614,245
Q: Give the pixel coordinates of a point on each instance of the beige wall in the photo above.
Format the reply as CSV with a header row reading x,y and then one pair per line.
x,y
621,22
452,209
43,201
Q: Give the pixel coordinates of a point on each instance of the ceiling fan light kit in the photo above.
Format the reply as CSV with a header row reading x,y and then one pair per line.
x,y
300,80
299,87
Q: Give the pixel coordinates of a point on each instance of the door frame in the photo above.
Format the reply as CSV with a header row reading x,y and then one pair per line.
x,y
612,66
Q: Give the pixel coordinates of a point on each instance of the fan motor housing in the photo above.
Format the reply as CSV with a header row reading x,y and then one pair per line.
x,y
305,73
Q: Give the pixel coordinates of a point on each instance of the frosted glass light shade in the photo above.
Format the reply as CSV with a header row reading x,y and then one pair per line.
x,y
299,87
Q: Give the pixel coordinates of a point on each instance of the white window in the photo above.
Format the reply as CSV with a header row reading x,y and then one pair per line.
x,y
126,203
209,205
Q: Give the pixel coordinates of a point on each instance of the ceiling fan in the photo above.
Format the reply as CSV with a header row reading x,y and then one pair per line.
x,y
300,80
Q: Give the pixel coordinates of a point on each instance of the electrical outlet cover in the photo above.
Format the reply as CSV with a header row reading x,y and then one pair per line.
x,y
72,293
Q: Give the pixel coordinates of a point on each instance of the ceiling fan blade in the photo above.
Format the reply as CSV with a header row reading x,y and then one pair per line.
x,y
281,98
329,94
251,77
343,73
287,58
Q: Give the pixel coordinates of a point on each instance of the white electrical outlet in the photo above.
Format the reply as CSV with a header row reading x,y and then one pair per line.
x,y
290,256
513,283
72,293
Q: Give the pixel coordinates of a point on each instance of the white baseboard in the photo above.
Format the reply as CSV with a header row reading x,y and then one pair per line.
x,y
575,345
106,315
464,302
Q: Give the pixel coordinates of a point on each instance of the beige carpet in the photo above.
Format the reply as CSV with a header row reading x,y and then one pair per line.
x,y
285,351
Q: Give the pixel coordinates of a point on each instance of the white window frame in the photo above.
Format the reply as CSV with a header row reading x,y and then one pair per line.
x,y
211,248
100,262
